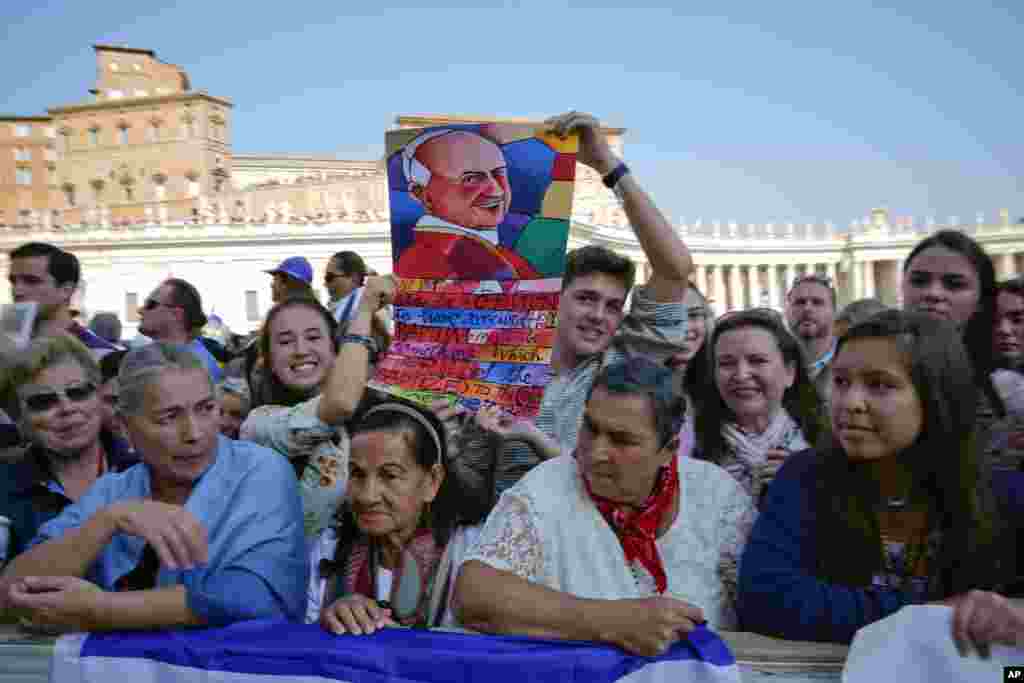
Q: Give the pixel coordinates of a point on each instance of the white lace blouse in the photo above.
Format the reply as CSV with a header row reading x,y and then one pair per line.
x,y
548,531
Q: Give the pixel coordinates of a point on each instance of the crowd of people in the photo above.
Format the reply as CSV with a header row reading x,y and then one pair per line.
x,y
798,473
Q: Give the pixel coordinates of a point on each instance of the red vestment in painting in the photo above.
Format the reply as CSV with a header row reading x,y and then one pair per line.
x,y
441,253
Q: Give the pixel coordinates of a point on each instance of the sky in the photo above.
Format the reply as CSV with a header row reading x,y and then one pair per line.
x,y
736,110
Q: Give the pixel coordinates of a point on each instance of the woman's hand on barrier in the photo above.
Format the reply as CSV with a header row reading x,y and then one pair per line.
x,y
649,626
981,618
57,604
355,614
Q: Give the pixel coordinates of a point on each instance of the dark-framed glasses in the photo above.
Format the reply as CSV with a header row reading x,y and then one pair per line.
x,y
44,400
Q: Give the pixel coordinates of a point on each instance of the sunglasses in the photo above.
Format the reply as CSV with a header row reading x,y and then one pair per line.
x,y
152,304
816,277
75,393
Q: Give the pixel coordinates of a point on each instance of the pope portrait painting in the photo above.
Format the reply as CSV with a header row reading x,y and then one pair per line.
x,y
460,177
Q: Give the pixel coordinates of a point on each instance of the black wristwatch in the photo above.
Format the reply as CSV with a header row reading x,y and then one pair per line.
x,y
613,178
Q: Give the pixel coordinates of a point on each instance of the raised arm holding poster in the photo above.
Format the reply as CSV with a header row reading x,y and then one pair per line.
x,y
479,226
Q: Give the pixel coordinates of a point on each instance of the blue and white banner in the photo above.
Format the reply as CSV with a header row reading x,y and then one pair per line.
x,y
276,652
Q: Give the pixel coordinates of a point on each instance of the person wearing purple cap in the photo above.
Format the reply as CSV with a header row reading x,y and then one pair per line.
x,y
293,277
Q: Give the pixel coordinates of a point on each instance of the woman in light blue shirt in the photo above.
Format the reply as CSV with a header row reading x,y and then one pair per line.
x,y
205,531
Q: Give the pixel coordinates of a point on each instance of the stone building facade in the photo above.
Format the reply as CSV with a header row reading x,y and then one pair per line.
x,y
142,184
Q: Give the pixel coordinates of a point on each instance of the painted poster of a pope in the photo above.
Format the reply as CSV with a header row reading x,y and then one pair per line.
x,y
480,201
480,221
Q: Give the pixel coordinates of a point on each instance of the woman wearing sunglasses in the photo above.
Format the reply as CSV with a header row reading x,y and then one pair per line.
x,y
759,403
52,386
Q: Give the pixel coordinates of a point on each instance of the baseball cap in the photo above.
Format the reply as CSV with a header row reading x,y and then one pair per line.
x,y
297,267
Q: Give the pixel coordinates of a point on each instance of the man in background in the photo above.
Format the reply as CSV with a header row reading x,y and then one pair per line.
x,y
810,313
47,275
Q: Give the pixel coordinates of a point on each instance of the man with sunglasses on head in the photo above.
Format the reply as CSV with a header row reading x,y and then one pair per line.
x,y
48,276
51,388
810,314
173,314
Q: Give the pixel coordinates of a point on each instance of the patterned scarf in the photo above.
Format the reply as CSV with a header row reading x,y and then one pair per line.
x,y
413,581
637,529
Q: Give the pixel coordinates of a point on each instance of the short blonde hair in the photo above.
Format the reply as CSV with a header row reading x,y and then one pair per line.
x,y
40,354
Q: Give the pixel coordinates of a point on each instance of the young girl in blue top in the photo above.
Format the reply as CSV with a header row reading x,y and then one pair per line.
x,y
896,510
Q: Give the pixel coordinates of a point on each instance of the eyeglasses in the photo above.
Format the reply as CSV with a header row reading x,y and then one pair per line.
x,y
329,277
152,304
812,277
75,393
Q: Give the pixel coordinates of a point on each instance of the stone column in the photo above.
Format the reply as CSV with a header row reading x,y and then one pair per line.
x,y
790,274
774,300
701,279
735,288
718,290
856,280
833,273
1005,266
754,285
869,280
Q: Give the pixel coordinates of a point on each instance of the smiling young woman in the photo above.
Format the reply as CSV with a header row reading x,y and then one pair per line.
x,y
759,404
312,385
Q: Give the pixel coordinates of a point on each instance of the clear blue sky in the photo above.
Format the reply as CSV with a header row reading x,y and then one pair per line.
x,y
752,111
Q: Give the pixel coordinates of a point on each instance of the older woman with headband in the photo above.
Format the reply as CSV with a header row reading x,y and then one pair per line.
x,y
204,531
625,542
377,566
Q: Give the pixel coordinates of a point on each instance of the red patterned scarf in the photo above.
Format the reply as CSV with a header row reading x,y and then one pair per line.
x,y
637,528
413,581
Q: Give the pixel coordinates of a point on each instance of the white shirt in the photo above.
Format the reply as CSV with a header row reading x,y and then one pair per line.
x,y
547,530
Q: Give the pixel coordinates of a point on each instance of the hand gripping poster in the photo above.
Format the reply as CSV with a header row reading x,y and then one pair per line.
x,y
479,225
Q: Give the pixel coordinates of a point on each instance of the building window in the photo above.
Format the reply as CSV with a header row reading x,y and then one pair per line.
x,y
131,307
94,137
252,306
122,136
22,154
22,130
23,176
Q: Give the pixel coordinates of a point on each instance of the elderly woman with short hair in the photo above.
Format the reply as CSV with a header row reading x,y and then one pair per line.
x,y
625,542
52,389
204,531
